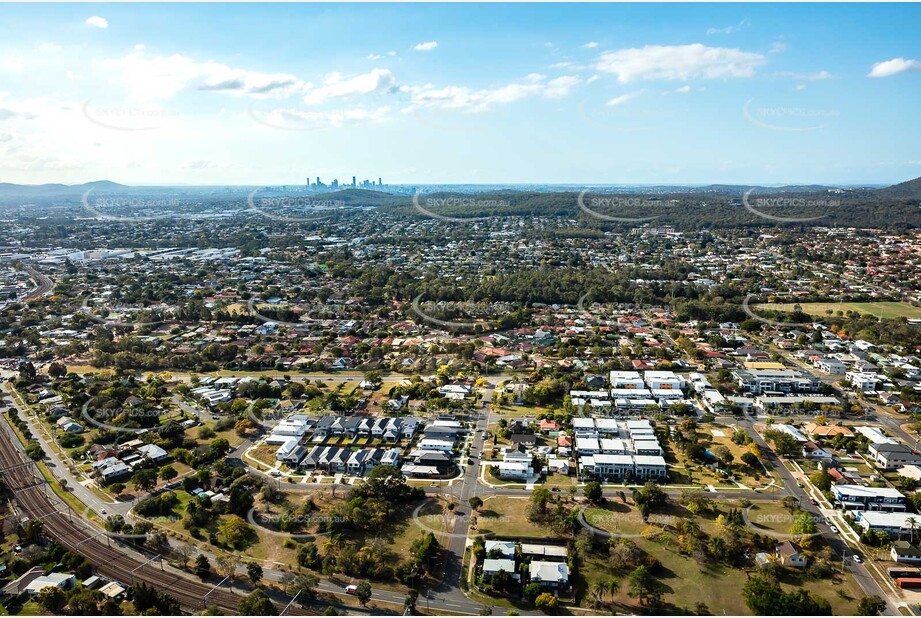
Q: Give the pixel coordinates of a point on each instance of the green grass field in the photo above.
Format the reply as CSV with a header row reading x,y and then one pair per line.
x,y
880,310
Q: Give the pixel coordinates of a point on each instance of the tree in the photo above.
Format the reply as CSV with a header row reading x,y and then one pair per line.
x,y
649,498
235,530
643,584
912,524
537,509
821,479
803,523
144,479
409,603
117,488
202,566
501,580
35,451
243,427
593,491
257,603
750,459
168,473
722,454
767,598
599,588
254,572
532,590
57,370
52,599
546,602
363,593
475,503
871,606
784,444
184,551
305,584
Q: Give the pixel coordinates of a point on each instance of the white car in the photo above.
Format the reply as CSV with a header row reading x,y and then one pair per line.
x,y
833,529
858,559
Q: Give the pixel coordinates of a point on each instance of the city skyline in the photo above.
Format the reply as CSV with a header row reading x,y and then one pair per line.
x,y
497,94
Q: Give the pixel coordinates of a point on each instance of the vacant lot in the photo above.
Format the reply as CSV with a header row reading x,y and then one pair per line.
x,y
880,310
687,581
504,516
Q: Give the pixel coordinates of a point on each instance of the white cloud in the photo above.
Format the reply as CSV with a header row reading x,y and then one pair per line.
x,y
161,77
97,22
334,87
335,118
390,54
806,77
729,29
679,62
894,67
590,45
465,99
10,65
426,46
777,47
622,99
683,89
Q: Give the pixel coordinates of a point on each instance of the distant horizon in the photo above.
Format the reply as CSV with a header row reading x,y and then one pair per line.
x,y
469,184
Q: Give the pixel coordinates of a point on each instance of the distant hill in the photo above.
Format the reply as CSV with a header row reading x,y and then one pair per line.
x,y
740,189
58,190
910,189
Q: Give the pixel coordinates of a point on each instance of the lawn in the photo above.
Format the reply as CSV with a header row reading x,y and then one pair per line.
x,y
504,516
688,582
879,309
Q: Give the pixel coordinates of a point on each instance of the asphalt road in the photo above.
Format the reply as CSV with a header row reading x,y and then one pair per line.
x,y
861,575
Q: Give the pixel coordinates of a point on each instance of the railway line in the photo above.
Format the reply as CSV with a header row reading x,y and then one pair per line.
x,y
43,284
95,546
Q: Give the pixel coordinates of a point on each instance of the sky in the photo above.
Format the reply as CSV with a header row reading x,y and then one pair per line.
x,y
584,94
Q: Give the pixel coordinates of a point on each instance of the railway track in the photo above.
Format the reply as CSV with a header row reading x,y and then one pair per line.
x,y
94,545
43,284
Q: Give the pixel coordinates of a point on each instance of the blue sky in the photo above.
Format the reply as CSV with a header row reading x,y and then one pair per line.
x,y
539,93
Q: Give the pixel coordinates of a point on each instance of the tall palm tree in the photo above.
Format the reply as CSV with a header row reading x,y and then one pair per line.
x,y
912,523
613,587
598,590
